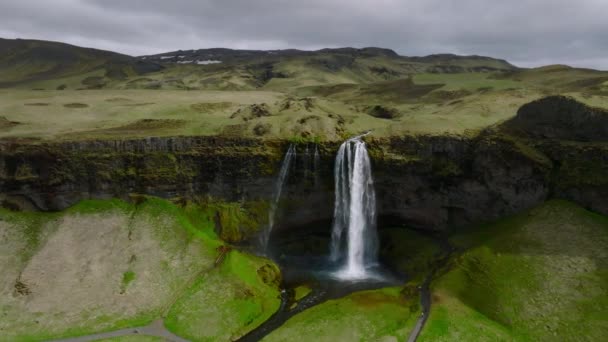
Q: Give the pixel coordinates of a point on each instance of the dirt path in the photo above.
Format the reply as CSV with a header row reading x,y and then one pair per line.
x,y
155,328
425,290
425,302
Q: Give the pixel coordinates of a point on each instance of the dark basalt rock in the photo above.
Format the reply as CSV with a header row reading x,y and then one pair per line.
x,y
560,117
382,112
428,182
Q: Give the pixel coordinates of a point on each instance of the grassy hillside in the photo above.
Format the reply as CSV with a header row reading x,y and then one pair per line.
x,y
32,62
105,265
539,276
58,91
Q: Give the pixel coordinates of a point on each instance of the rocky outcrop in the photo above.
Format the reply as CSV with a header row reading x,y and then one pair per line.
x,y
432,182
560,117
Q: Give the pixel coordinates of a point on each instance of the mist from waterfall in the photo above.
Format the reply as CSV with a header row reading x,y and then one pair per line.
x,y
289,157
354,237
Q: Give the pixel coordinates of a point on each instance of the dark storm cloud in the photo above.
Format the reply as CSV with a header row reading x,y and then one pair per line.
x,y
526,32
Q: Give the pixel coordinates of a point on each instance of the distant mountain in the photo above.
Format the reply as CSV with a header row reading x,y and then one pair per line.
x,y
449,63
440,63
24,60
345,73
230,55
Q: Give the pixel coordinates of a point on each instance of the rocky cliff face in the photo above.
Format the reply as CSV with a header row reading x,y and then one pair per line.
x,y
424,182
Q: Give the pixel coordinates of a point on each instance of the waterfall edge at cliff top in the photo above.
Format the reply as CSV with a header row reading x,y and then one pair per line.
x,y
354,244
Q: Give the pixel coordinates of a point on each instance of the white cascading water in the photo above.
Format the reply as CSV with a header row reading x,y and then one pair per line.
x,y
290,155
354,236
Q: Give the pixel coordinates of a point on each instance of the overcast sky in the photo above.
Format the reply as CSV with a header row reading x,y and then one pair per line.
x,y
525,32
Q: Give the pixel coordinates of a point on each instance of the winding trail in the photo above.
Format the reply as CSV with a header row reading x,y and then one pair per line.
x,y
425,290
425,302
155,328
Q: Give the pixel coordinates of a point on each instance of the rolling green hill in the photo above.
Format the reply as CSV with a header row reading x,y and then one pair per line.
x,y
538,276
58,91
27,61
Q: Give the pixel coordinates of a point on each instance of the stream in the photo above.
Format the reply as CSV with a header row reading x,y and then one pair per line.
x,y
320,293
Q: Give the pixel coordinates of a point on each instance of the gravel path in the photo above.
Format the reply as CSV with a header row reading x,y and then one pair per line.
x,y
155,328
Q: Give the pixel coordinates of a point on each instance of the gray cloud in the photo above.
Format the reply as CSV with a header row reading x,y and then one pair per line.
x,y
525,32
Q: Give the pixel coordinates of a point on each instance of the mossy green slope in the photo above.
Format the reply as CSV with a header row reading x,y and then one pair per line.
x,y
374,315
409,251
107,265
227,302
539,276
26,62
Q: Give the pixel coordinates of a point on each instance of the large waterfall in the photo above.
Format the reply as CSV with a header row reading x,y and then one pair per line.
x,y
354,237
278,189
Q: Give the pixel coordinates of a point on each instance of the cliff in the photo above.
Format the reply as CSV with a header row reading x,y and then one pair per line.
x,y
426,182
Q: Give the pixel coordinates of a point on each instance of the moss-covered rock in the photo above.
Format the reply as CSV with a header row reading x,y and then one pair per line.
x,y
560,118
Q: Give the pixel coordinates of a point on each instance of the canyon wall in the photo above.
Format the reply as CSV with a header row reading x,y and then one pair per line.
x,y
426,182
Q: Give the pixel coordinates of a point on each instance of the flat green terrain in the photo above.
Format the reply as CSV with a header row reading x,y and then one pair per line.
x,y
540,276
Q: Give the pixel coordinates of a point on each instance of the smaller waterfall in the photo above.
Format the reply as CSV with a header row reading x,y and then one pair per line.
x,y
317,167
307,164
354,236
290,155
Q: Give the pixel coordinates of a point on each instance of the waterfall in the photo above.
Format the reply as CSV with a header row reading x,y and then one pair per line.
x,y
354,237
306,163
316,167
278,189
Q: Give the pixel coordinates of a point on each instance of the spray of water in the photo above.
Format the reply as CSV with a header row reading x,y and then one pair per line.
x,y
354,236
289,157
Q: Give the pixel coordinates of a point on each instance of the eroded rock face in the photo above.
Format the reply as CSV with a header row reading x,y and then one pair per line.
x,y
424,182
443,181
